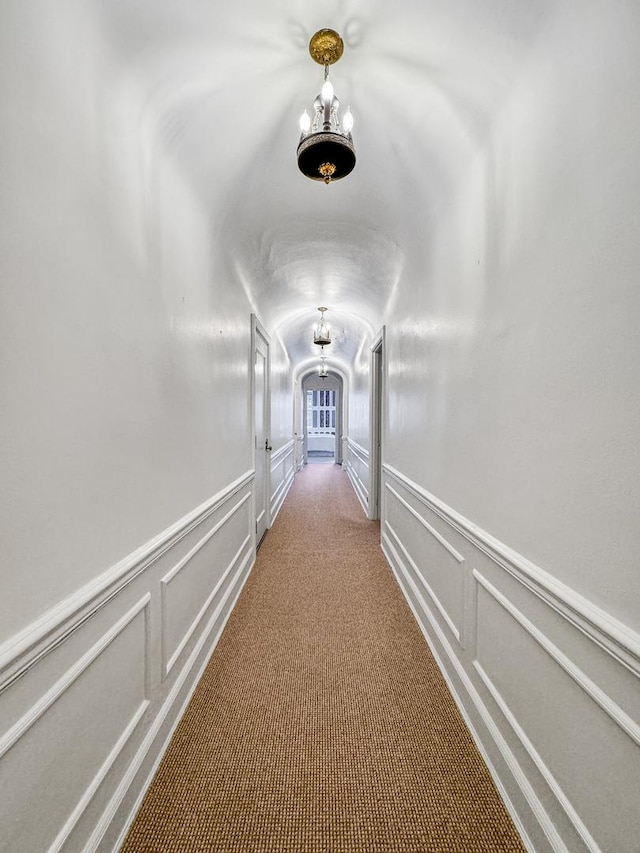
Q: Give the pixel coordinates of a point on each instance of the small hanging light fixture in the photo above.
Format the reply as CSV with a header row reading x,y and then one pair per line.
x,y
321,335
325,150
323,368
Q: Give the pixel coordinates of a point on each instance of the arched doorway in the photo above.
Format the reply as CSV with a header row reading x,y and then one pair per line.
x,y
321,414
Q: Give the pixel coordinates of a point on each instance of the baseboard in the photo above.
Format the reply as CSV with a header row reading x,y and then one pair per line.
x,y
168,718
357,468
505,634
282,476
116,661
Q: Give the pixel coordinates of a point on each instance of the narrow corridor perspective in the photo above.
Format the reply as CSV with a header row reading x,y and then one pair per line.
x,y
322,723
386,253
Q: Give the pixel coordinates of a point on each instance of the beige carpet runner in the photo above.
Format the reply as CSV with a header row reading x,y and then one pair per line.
x,y
322,723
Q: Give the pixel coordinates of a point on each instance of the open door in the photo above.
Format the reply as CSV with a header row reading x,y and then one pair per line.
x,y
261,412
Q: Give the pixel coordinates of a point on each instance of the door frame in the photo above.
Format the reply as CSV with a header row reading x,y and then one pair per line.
x,y
340,431
258,330
377,419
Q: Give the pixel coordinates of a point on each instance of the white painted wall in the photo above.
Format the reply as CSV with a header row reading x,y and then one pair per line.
x,y
130,264
512,426
125,444
124,339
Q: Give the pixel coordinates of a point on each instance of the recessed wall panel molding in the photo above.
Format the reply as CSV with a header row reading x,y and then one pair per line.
x,y
548,681
282,474
54,627
85,709
357,466
82,715
434,561
190,588
584,744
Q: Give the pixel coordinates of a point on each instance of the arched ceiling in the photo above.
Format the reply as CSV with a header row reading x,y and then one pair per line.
x,y
221,86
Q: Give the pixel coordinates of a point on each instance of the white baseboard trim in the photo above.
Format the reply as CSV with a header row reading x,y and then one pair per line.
x,y
405,581
279,458
507,596
170,663
358,487
208,639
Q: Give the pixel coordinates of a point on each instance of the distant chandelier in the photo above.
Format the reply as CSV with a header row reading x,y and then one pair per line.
x,y
321,335
325,150
323,368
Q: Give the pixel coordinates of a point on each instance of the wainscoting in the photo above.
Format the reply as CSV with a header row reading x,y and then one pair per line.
x,y
356,463
548,683
92,692
283,468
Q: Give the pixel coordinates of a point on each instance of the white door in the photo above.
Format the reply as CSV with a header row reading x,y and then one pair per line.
x,y
261,421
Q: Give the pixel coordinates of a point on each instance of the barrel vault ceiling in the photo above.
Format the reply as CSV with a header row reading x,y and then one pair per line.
x,y
221,86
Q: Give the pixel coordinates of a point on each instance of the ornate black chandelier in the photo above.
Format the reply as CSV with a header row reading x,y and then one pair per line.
x,y
325,150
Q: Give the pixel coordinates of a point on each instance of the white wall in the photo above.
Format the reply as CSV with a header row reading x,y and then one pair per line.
x,y
512,471
125,446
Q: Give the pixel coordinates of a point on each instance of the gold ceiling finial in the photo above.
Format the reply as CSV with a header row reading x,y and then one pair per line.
x,y
326,47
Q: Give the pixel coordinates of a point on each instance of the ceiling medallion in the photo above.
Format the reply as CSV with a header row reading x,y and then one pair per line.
x,y
326,47
325,150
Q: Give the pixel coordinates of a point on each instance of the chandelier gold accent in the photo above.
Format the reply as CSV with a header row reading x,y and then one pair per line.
x,y
325,150
326,47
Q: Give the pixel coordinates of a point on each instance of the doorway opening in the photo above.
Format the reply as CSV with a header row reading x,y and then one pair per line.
x,y
321,424
322,419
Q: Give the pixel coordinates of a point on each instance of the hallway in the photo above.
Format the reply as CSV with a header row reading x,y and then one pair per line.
x,y
192,306
322,723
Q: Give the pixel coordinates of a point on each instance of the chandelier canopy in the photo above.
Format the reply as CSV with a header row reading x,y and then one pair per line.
x,y
322,335
325,150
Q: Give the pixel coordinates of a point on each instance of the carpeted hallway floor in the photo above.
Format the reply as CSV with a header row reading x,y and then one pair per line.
x,y
322,723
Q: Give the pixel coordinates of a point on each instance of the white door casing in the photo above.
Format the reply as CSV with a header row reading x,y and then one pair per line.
x,y
376,423
261,412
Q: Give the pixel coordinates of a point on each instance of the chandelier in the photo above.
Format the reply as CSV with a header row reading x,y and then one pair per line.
x,y
321,335
323,368
325,150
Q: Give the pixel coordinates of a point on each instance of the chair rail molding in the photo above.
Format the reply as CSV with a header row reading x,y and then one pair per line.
x,y
505,632
121,657
357,467
283,469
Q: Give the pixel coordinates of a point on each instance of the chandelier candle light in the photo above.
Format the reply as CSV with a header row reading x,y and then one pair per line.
x,y
321,335
325,150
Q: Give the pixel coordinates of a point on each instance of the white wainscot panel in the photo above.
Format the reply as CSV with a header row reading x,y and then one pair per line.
x,y
547,681
56,755
580,739
282,474
202,577
358,471
426,555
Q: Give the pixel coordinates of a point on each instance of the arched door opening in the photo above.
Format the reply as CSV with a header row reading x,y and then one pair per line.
x,y
320,423
321,419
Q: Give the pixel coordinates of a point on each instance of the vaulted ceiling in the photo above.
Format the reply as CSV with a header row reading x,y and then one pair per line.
x,y
221,86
